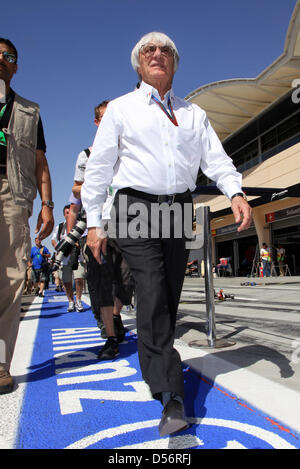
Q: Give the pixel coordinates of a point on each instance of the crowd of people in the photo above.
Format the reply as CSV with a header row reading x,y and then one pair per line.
x,y
271,256
149,147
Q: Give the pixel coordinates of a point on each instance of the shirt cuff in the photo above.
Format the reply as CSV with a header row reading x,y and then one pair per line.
x,y
93,220
233,190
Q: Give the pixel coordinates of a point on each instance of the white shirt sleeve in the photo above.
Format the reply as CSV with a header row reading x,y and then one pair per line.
x,y
54,235
100,166
80,166
106,214
217,165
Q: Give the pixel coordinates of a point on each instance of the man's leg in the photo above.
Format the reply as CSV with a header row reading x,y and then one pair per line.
x,y
79,276
120,330
158,267
79,283
67,279
59,272
118,305
68,286
41,288
156,315
36,278
264,265
99,280
14,254
110,350
123,285
107,316
93,276
56,281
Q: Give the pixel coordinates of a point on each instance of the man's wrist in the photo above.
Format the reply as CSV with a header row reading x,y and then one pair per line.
x,y
48,203
239,194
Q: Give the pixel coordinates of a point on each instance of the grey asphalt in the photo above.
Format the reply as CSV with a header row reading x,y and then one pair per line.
x,y
261,328
262,320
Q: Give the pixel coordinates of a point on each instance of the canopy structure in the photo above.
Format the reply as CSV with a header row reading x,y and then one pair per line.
x,y
263,195
231,104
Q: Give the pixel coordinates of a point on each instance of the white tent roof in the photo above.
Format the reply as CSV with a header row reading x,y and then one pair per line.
x,y
230,104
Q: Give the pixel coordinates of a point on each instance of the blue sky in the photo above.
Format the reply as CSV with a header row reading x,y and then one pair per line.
x,y
75,53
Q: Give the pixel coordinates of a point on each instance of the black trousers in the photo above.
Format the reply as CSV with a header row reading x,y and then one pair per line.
x,y
158,266
109,280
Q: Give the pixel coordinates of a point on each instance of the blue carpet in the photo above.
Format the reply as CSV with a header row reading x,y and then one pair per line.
x,y
74,401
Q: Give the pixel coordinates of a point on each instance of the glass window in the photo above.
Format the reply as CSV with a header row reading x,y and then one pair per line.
x,y
269,140
246,154
289,128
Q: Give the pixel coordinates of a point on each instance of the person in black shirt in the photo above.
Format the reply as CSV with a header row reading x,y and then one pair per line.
x,y
6,108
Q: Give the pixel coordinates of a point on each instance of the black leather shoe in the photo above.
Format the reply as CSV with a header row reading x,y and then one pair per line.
x,y
173,419
110,350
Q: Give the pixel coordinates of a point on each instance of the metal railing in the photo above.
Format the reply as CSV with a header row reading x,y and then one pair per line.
x,y
211,340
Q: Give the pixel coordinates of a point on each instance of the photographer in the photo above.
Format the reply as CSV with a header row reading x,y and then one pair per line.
x,y
39,255
110,284
67,272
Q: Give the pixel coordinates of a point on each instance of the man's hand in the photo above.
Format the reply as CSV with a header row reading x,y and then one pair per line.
x,y
242,212
97,242
45,221
76,189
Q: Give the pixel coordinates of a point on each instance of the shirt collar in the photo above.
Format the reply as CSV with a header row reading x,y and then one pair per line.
x,y
10,96
148,90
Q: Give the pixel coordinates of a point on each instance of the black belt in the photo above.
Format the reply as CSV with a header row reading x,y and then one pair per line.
x,y
169,198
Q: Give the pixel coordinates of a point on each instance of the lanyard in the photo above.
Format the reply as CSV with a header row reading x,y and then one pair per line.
x,y
2,135
2,111
169,113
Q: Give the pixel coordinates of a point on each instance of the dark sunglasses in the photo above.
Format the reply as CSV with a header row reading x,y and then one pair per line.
x,y
11,58
149,49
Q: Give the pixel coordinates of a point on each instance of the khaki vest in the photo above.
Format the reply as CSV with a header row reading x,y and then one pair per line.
x,y
21,136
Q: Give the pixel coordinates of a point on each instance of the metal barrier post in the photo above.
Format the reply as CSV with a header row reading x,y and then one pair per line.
x,y
209,287
211,341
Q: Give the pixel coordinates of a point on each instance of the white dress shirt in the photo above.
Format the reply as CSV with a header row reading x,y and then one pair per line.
x,y
79,176
137,146
80,166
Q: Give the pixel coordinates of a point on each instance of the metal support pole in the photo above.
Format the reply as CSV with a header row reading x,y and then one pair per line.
x,y
211,341
209,287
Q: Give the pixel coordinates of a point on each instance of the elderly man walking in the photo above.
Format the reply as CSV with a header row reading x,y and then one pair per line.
x,y
23,170
150,147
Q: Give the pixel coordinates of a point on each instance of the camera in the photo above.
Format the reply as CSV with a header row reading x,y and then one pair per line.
x,y
66,246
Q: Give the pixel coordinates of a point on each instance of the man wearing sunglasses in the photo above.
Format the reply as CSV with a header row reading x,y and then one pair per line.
x,y
150,147
23,171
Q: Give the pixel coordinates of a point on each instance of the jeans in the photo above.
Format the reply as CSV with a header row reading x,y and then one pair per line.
x,y
266,268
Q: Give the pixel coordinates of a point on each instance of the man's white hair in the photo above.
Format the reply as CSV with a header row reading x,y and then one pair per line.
x,y
156,37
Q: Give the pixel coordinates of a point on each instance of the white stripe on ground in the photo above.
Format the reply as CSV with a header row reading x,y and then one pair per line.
x,y
279,402
11,404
